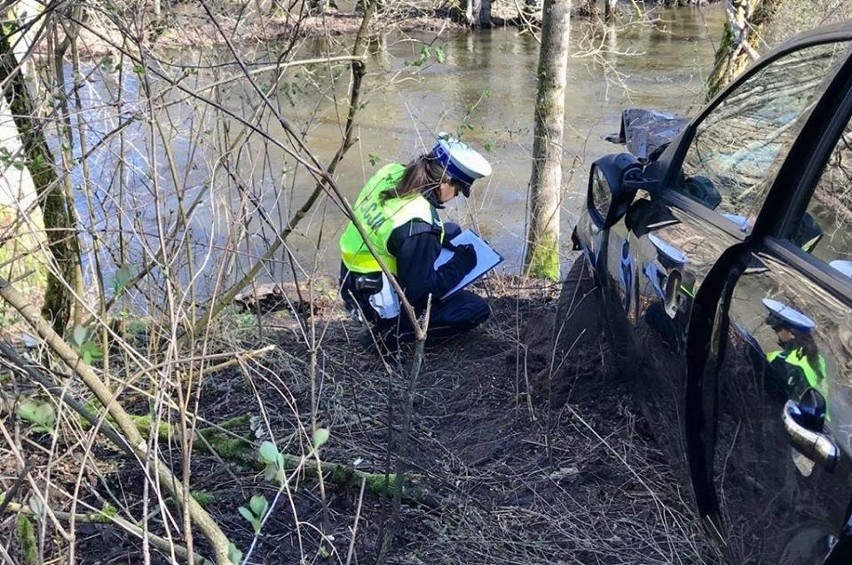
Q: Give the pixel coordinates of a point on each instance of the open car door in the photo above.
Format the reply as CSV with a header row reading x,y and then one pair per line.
x,y
769,404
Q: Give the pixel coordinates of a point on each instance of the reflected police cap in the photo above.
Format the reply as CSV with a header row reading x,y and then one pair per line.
x,y
782,315
843,266
462,163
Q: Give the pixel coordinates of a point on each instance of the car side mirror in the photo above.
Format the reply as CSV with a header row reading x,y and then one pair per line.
x,y
612,185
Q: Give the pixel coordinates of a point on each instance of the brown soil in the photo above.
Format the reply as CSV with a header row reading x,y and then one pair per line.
x,y
519,455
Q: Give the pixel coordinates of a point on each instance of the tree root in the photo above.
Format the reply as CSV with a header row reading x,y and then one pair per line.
x,y
99,518
218,441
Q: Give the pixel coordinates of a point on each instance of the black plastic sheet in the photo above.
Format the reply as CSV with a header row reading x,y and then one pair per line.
x,y
646,131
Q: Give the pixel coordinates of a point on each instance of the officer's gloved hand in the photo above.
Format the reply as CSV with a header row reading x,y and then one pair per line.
x,y
451,230
465,257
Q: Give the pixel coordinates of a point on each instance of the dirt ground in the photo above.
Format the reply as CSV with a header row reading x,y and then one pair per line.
x,y
518,455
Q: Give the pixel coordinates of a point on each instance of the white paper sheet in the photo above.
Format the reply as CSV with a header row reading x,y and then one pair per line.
x,y
486,259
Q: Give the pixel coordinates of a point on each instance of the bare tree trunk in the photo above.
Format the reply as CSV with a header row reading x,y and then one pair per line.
x,y
472,10
61,42
477,13
609,10
741,39
485,14
317,7
61,235
542,256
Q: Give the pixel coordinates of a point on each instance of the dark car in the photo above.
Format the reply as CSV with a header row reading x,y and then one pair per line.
x,y
724,257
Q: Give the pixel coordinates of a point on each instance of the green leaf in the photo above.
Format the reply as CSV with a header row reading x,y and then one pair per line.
x,y
123,277
320,437
269,472
38,162
79,335
203,497
246,513
27,411
234,554
138,69
439,54
259,505
45,415
91,352
268,452
37,507
40,415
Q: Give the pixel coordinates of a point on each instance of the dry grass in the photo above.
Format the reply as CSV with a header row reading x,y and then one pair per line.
x,y
504,474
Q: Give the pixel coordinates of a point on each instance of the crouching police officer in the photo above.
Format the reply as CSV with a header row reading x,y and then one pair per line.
x,y
398,210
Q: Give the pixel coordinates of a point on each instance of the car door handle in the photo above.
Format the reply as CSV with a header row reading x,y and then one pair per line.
x,y
814,445
673,281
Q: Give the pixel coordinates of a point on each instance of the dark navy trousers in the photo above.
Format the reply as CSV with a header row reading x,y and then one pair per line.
x,y
460,313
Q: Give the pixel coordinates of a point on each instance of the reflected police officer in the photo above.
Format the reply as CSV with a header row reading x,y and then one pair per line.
x,y
398,209
798,364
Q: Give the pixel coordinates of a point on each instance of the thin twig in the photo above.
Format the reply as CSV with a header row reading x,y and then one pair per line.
x,y
10,494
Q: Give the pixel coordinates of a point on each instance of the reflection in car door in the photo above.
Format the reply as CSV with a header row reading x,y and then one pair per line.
x,y
787,326
779,504
658,258
703,199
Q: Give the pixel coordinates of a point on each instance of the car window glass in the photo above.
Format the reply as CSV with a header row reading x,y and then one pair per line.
x,y
824,230
739,145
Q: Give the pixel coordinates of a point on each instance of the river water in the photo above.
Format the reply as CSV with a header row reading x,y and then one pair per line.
x,y
481,86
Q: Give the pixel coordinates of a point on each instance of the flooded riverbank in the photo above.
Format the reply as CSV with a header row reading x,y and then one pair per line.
x,y
484,89
217,158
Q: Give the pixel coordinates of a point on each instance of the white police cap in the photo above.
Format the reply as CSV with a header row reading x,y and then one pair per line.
x,y
782,313
460,162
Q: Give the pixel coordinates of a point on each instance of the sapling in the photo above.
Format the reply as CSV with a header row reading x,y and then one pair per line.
x,y
257,508
273,462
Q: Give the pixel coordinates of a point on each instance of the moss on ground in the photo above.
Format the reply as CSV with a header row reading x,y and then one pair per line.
x,y
27,540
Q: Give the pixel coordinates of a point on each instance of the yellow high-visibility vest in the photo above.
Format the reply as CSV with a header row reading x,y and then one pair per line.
x,y
380,219
815,377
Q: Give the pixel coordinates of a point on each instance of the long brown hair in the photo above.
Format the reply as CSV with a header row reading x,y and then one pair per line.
x,y
805,342
422,175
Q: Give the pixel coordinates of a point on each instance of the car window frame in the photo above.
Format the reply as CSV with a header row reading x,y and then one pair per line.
x,y
670,164
816,270
800,199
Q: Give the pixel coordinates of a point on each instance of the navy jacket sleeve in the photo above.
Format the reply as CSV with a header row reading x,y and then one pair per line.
x,y
415,259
